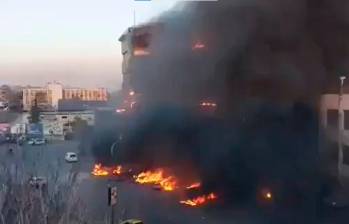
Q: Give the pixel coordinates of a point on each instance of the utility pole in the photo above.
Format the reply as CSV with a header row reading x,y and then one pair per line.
x,y
340,127
112,195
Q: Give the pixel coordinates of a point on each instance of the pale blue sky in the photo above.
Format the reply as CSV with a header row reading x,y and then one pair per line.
x,y
73,41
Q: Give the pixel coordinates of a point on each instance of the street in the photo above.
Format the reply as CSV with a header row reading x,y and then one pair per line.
x,y
133,201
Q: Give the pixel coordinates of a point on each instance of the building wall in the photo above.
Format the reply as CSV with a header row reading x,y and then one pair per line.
x,y
329,122
57,123
53,92
5,93
98,94
56,93
32,93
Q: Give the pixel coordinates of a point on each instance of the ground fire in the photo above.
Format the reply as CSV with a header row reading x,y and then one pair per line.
x,y
201,200
99,170
194,186
157,177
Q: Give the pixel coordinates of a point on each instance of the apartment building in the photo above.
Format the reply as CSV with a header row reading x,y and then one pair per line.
x,y
47,97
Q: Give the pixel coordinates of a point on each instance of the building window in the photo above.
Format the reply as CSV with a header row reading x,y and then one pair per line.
x,y
346,119
345,154
64,117
332,118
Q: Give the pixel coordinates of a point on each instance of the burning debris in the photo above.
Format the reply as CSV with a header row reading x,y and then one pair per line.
x,y
157,177
198,201
194,186
99,170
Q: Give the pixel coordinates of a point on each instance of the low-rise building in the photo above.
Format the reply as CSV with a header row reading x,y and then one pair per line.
x,y
39,94
48,97
5,93
84,94
59,123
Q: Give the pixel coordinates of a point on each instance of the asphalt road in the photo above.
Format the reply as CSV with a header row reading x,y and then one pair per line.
x,y
134,201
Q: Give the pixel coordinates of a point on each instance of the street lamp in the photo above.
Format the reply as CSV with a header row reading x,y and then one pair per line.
x,y
340,126
112,148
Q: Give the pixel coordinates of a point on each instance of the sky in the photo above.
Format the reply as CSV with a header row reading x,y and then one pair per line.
x,y
71,41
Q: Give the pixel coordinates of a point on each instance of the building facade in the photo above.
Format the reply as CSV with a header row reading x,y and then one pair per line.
x,y
98,94
39,94
59,123
5,93
329,120
47,97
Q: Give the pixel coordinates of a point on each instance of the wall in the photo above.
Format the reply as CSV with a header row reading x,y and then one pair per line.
x,y
329,122
56,90
57,123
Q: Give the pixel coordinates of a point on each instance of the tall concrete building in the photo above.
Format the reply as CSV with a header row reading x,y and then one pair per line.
x,y
56,91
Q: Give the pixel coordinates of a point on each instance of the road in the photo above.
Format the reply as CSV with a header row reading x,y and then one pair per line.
x,y
134,201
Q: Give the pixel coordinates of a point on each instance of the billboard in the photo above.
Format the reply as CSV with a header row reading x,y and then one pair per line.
x,y
35,130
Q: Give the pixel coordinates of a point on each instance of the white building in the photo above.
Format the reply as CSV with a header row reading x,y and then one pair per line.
x,y
56,90
59,123
48,96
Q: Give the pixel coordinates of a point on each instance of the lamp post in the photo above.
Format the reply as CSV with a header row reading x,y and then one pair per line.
x,y
340,127
112,148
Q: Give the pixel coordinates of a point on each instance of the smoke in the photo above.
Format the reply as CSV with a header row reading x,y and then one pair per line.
x,y
265,63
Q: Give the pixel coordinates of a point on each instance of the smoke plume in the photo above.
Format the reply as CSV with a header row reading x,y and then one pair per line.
x,y
265,63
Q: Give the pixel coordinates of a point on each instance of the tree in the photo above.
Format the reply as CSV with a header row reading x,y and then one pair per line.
x,y
35,113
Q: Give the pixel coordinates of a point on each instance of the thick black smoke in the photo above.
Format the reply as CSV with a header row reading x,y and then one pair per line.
x,y
265,63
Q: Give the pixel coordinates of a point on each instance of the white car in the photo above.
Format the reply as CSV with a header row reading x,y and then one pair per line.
x,y
39,141
71,157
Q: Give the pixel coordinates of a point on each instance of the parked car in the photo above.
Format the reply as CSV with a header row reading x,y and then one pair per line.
x,y
37,141
30,142
132,221
71,157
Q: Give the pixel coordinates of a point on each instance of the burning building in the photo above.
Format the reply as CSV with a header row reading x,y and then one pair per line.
x,y
262,65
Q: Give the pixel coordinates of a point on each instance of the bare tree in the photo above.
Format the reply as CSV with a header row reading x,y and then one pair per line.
x,y
56,202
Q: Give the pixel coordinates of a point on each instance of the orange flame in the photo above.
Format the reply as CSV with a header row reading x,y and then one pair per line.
x,y
117,170
194,185
157,177
199,200
99,170
140,52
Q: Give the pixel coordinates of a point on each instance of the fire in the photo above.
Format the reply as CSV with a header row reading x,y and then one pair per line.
x,y
194,185
157,177
199,200
140,52
117,170
99,170
208,104
198,45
